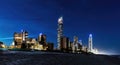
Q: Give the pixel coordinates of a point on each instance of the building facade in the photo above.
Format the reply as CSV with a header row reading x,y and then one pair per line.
x,y
65,44
42,41
19,38
90,43
60,32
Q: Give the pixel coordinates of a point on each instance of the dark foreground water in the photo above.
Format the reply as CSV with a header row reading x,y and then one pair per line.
x,y
49,58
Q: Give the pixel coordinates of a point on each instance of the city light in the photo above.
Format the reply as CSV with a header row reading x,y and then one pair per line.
x,y
64,44
103,52
40,34
60,20
90,35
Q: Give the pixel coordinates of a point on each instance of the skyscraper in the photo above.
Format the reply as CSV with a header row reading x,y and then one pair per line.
x,y
24,35
75,44
90,43
39,37
63,43
19,38
60,31
42,40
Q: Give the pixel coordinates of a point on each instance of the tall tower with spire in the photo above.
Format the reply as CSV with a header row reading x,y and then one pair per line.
x,y
90,43
60,31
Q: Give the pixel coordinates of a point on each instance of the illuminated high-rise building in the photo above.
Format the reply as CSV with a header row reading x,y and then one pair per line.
x,y
39,37
19,38
42,40
60,31
24,35
75,44
90,43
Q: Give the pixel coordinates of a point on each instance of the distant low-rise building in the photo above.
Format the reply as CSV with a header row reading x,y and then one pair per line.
x,y
84,48
37,46
30,42
2,45
50,46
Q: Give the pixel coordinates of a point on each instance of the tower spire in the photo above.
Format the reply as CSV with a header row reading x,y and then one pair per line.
x,y
60,20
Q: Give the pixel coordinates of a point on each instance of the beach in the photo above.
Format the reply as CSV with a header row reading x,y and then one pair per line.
x,y
54,58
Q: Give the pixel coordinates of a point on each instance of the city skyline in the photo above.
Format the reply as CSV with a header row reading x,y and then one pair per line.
x,y
81,18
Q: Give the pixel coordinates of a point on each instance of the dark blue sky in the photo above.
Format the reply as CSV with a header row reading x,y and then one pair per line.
x,y
81,17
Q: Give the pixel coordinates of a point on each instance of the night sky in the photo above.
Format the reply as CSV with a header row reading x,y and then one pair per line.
x,y
101,18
